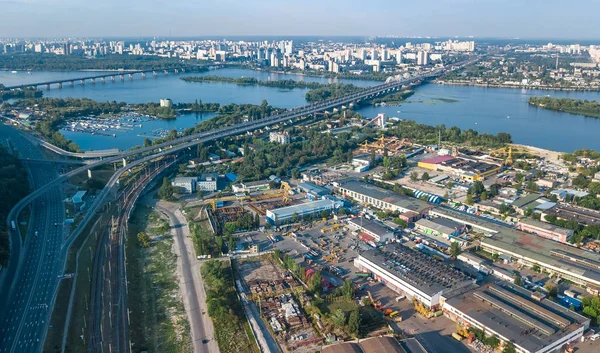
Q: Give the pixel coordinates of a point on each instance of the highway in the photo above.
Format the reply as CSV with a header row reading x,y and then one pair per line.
x,y
31,297
32,278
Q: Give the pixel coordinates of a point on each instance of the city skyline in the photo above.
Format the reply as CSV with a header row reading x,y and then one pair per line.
x,y
462,18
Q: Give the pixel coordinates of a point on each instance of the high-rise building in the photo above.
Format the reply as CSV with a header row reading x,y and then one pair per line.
x,y
363,54
385,55
374,55
422,58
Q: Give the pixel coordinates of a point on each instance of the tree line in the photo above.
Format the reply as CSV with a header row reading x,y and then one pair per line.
x,y
52,62
251,81
25,93
14,185
573,106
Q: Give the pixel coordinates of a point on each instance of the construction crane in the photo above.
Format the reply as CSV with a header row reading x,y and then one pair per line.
x,y
213,202
504,152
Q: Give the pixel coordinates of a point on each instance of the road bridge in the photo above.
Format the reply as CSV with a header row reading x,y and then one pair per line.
x,y
112,76
183,144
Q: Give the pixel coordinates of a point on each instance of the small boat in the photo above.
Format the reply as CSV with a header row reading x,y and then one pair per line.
x,y
13,72
508,117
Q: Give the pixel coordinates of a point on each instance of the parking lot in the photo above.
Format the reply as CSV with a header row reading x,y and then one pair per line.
x,y
434,334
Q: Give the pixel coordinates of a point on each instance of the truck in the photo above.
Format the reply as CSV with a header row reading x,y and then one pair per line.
x,y
457,336
363,274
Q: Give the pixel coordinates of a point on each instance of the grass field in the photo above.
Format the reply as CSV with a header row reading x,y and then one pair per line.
x,y
158,320
231,327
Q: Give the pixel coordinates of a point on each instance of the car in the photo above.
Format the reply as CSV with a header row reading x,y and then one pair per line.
x,y
205,341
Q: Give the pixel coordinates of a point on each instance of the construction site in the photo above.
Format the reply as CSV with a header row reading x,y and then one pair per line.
x,y
392,145
277,294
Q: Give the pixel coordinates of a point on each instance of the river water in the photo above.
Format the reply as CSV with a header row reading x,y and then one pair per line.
x,y
488,110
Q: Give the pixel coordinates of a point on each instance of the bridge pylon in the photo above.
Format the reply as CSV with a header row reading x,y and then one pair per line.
x,y
103,80
82,82
131,76
48,86
112,78
60,85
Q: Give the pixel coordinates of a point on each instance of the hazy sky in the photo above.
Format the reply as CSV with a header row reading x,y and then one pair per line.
x,y
480,18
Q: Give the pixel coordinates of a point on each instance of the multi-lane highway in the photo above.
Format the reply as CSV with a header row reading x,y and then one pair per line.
x,y
32,278
31,297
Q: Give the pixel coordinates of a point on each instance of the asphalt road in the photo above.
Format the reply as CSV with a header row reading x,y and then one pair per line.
x,y
190,280
32,279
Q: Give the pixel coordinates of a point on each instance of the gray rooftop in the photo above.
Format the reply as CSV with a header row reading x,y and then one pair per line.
x,y
544,252
302,208
372,226
421,271
546,226
388,196
313,188
525,200
511,311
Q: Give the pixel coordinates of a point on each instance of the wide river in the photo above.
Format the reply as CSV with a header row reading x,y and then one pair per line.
x,y
488,110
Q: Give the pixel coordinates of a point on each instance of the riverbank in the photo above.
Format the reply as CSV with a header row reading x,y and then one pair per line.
x,y
493,85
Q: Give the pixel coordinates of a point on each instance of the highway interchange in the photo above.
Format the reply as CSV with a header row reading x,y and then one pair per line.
x,y
41,261
29,300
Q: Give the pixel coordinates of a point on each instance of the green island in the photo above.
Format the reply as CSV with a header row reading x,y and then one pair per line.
x,y
394,98
318,91
14,185
573,106
251,81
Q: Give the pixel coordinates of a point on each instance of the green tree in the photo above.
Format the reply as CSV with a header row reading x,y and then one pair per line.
x,y
414,176
295,217
325,214
354,322
478,187
147,142
509,347
338,318
483,196
342,211
314,282
230,228
531,185
295,173
144,239
494,190
469,201
166,190
518,280
455,249
425,176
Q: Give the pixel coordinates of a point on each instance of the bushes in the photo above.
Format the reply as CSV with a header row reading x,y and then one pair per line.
x,y
224,308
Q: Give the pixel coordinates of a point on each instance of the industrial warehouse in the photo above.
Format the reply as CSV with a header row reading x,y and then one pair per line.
x,y
532,323
285,214
411,209
568,262
464,168
413,273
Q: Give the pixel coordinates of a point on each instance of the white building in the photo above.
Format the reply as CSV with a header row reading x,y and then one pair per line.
x,y
167,103
207,182
279,137
185,185
422,58
284,215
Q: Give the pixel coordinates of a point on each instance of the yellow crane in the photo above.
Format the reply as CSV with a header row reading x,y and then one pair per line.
x,y
213,202
507,151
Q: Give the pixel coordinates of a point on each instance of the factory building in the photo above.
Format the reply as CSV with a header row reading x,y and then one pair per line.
x,y
284,215
371,231
546,230
440,227
410,208
466,169
412,273
564,261
532,323
313,191
251,186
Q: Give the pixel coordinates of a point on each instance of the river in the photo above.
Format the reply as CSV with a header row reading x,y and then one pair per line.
x,y
488,110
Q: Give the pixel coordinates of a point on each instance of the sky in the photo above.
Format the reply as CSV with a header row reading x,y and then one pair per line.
x,y
197,18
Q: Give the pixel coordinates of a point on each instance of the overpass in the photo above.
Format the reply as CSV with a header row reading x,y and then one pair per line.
x,y
186,142
112,76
